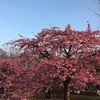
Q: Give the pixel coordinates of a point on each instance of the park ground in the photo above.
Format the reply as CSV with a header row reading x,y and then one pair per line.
x,y
58,95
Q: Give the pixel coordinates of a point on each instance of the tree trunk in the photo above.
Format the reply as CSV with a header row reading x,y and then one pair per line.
x,y
66,90
47,95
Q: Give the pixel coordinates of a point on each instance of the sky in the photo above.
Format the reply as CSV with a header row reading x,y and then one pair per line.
x,y
29,17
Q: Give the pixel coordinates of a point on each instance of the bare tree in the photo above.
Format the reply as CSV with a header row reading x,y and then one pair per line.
x,y
97,12
3,54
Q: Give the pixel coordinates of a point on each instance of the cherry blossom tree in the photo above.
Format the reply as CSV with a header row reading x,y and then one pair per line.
x,y
57,57
10,70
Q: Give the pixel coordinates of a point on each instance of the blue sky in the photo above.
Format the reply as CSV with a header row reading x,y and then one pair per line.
x,y
26,17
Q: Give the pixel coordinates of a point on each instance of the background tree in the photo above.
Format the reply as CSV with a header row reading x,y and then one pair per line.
x,y
97,12
3,54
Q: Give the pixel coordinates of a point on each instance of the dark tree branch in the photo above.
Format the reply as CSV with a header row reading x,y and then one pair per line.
x,y
45,54
68,52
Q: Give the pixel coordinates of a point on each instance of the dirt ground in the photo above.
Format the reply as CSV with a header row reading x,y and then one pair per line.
x,y
59,96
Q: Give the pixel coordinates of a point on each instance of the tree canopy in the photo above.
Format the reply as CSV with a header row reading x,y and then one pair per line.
x,y
55,56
